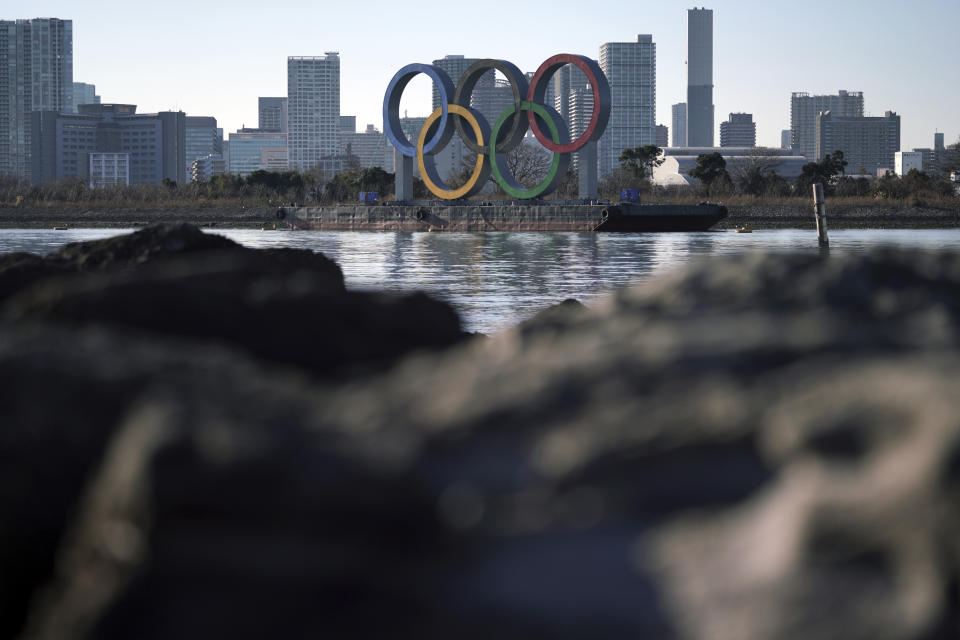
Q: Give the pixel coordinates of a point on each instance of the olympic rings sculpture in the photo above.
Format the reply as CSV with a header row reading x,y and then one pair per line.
x,y
491,144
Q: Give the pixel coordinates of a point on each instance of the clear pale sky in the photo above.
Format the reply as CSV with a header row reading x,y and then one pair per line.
x,y
216,59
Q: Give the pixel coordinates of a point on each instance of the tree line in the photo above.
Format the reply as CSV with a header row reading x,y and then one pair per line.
x,y
757,176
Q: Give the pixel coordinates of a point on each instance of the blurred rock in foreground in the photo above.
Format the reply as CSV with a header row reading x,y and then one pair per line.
x,y
753,447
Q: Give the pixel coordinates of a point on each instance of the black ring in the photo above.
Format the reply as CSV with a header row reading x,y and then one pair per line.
x,y
518,82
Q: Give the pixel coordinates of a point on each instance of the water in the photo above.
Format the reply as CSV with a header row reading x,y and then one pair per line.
x,y
498,279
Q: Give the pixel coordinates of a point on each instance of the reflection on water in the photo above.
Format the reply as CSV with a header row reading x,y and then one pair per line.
x,y
497,279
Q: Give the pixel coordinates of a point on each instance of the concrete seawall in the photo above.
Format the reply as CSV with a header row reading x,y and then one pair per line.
x,y
843,216
503,217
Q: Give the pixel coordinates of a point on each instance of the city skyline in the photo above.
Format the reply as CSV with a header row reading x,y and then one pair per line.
x,y
899,59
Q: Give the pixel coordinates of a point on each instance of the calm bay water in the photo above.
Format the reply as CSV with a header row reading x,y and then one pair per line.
x,y
498,279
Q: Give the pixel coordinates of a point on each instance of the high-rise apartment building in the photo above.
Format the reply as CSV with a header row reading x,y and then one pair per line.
x,y
36,74
579,112
348,124
804,109
566,81
84,93
313,112
679,112
700,77
273,113
203,138
631,70
867,144
739,130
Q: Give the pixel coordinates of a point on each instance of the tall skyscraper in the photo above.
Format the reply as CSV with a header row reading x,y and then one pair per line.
x,y
273,113
36,74
738,131
84,93
680,124
313,112
804,109
700,77
631,70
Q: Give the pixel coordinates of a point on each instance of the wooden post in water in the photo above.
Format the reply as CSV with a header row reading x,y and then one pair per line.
x,y
820,209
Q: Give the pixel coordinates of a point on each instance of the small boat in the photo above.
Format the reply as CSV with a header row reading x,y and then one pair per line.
x,y
265,227
60,228
743,229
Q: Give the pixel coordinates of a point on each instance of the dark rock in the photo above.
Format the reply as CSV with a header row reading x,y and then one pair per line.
x,y
264,302
727,452
18,270
149,246
146,245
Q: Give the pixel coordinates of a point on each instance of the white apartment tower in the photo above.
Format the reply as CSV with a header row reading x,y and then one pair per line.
x,y
36,74
700,77
313,112
631,70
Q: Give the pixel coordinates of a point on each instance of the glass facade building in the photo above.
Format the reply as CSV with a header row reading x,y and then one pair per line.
x,y
36,74
253,150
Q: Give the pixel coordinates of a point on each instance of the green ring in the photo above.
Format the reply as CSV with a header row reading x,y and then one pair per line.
x,y
533,192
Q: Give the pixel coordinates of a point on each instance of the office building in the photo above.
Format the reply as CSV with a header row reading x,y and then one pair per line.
x,y
804,109
348,124
738,131
272,113
700,77
366,149
252,150
786,139
154,142
36,74
108,170
906,161
679,112
205,168
662,136
631,70
203,138
868,144
313,113
84,93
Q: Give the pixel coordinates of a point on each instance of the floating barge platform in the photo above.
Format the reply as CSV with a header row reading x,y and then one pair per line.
x,y
505,216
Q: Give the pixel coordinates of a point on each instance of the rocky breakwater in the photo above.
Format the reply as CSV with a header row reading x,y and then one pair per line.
x,y
755,447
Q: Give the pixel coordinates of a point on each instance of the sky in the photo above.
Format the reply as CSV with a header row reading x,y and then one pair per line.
x,y
215,59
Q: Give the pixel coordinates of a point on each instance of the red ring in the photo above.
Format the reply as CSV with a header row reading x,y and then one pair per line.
x,y
547,69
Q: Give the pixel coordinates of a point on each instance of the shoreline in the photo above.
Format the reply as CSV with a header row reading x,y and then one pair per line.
x,y
757,215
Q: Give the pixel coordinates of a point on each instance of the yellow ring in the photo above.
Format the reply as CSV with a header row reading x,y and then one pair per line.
x,y
450,194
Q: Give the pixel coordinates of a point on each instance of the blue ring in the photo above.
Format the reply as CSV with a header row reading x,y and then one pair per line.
x,y
391,108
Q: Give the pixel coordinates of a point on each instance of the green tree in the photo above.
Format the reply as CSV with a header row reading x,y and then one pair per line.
x,y
825,172
711,170
641,161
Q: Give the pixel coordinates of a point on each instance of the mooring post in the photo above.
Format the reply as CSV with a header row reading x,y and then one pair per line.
x,y
403,177
820,209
